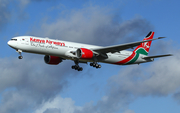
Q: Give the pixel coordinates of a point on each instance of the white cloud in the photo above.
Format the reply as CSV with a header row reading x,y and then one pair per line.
x,y
160,78
28,83
62,105
128,111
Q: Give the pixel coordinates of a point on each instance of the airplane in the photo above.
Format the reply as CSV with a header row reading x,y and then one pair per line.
x,y
56,51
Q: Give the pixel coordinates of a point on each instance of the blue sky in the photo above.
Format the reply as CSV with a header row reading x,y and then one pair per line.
x,y
29,85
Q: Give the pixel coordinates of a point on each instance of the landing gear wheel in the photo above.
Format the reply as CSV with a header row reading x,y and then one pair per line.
x,y
80,69
96,65
91,64
73,67
77,67
20,57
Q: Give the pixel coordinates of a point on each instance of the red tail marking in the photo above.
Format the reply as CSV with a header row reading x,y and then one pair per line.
x,y
146,45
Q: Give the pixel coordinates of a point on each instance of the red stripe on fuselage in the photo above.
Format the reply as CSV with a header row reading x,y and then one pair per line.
x,y
127,59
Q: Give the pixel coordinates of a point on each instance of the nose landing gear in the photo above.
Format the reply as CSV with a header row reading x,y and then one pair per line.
x,y
20,51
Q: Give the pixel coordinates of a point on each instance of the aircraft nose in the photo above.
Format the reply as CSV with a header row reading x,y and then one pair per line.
x,y
9,43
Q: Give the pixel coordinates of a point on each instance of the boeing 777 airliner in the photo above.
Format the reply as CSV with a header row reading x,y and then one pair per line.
x,y
56,51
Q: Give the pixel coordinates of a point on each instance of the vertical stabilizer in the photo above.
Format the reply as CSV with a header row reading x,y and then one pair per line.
x,y
144,47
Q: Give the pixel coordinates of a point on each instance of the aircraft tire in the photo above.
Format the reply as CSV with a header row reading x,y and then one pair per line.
x,y
97,65
80,69
20,57
76,67
94,65
73,67
91,64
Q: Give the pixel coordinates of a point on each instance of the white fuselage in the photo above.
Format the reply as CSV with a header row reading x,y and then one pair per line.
x,y
64,49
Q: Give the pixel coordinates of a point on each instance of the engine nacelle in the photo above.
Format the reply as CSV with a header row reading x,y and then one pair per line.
x,y
84,53
53,60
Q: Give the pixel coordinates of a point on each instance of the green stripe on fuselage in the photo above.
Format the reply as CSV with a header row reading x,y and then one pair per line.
x,y
141,51
134,59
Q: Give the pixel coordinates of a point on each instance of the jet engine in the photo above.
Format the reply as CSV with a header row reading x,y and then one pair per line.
x,y
84,53
53,60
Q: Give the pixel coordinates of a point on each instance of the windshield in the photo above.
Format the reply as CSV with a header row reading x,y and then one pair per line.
x,y
14,39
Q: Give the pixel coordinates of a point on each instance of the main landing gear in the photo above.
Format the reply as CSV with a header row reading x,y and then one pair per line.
x,y
76,66
20,51
95,64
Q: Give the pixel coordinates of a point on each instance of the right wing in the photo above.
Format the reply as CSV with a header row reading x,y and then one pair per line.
x,y
121,47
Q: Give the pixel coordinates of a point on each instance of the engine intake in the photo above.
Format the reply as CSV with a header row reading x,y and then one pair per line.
x,y
84,53
53,60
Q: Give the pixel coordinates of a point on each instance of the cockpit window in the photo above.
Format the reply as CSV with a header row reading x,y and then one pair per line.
x,y
14,39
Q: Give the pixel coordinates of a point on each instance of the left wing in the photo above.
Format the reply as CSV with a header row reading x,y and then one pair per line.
x,y
121,47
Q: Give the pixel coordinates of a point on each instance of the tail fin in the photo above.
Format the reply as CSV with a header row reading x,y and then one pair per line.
x,y
144,47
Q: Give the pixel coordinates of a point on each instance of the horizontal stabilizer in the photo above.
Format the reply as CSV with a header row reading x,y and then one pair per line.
x,y
149,57
161,37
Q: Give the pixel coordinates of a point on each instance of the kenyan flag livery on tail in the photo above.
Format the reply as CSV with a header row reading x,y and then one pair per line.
x,y
141,49
144,47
